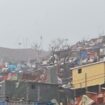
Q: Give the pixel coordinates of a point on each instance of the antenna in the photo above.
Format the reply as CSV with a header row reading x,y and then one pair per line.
x,y
41,42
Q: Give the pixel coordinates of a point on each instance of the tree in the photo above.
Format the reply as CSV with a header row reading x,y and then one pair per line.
x,y
62,49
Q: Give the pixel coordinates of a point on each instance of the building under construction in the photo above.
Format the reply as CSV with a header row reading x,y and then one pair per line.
x,y
29,91
33,92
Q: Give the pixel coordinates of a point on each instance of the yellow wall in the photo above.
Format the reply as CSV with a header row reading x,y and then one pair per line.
x,y
93,74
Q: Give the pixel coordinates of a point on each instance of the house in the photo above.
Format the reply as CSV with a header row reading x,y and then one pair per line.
x,y
88,75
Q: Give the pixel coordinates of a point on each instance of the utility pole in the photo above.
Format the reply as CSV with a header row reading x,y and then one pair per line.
x,y
74,93
38,93
27,92
86,82
99,88
104,71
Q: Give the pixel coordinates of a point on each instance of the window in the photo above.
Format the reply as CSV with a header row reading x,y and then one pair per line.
x,y
79,70
33,86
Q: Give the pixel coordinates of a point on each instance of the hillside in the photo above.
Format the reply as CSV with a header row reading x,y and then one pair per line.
x,y
18,55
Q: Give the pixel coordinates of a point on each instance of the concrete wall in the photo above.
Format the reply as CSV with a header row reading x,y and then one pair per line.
x,y
31,91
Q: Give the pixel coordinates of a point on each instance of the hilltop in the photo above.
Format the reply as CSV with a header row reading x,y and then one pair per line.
x,y
17,55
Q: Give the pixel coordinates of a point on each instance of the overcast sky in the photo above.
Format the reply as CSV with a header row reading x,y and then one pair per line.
x,y
26,20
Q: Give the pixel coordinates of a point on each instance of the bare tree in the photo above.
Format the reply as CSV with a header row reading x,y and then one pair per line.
x,y
61,48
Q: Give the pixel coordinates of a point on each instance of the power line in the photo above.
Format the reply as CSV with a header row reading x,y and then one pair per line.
x,y
89,80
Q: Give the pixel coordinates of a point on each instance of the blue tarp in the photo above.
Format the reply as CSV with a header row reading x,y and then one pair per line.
x,y
3,103
12,67
83,54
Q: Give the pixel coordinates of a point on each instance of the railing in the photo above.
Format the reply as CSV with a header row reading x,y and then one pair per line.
x,y
25,103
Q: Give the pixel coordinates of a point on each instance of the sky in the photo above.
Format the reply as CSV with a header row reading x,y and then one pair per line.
x,y
25,21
